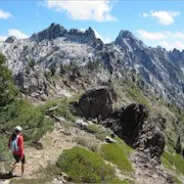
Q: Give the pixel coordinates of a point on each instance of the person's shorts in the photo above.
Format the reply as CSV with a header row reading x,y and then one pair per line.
x,y
18,158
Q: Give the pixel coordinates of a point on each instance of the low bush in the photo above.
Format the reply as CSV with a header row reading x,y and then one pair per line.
x,y
85,166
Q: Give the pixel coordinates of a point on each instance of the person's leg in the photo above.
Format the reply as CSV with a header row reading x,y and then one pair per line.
x,y
13,167
23,165
22,169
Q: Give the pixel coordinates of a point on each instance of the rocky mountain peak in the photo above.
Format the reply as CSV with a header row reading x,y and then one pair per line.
x,y
10,39
125,34
73,35
90,32
52,32
127,39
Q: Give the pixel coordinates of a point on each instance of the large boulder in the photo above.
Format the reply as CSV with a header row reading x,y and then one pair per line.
x,y
131,121
97,102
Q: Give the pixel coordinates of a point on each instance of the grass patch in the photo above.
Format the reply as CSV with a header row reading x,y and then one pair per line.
x,y
118,154
169,160
85,166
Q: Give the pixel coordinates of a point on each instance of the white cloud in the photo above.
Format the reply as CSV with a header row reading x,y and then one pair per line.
x,y
164,17
3,38
4,14
84,10
18,34
170,46
14,32
151,35
167,39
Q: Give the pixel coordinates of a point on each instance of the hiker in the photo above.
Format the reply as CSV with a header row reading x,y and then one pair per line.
x,y
16,145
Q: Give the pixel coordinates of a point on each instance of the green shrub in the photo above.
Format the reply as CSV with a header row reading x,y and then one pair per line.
x,y
85,166
118,154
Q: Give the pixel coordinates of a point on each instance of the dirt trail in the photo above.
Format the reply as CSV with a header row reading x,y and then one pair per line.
x,y
53,145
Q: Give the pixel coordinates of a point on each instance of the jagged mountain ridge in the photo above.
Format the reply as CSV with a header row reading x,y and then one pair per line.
x,y
162,72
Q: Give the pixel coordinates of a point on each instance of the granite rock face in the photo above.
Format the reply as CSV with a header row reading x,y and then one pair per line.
x,y
160,72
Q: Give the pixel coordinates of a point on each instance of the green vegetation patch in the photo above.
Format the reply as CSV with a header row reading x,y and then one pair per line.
x,y
118,154
85,166
170,161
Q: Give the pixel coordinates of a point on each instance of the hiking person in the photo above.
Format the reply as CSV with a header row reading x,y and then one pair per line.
x,y
16,145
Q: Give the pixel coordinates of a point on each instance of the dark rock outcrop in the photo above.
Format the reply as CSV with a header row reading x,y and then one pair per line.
x,y
97,102
131,122
128,122
131,125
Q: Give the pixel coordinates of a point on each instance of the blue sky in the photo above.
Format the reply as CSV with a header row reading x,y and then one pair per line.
x,y
154,22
